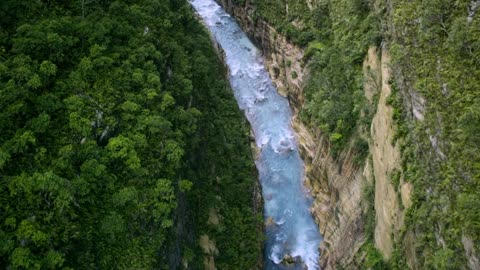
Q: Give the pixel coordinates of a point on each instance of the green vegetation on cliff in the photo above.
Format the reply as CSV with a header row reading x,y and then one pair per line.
x,y
436,46
222,169
112,113
336,101
336,36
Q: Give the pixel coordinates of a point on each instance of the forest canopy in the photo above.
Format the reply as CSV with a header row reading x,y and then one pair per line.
x,y
112,113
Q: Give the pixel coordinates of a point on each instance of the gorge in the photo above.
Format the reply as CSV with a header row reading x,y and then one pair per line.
x,y
291,232
369,182
240,134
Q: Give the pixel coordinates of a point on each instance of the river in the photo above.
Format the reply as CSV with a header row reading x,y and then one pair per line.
x,y
290,229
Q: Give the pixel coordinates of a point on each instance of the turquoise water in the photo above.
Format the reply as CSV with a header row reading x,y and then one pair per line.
x,y
287,202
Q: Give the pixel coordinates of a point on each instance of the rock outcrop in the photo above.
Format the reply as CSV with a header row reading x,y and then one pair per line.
x,y
386,160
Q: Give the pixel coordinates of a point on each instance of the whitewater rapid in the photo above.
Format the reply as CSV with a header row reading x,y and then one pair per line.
x,y
290,228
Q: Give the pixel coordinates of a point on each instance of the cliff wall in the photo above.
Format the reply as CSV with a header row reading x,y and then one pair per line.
x,y
338,184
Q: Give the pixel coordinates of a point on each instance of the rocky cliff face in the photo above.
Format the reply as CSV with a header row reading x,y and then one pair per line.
x,y
386,160
337,184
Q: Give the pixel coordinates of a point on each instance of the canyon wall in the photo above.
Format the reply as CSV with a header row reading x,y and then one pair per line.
x,y
337,185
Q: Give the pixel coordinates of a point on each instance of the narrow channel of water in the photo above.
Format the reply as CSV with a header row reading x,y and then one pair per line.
x,y
290,228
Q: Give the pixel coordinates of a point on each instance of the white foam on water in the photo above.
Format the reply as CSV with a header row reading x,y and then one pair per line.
x,y
276,254
263,141
306,250
280,222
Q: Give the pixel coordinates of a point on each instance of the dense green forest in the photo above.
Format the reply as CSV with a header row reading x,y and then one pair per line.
x,y
119,134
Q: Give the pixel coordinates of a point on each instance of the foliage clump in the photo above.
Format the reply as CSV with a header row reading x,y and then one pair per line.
x,y
335,99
